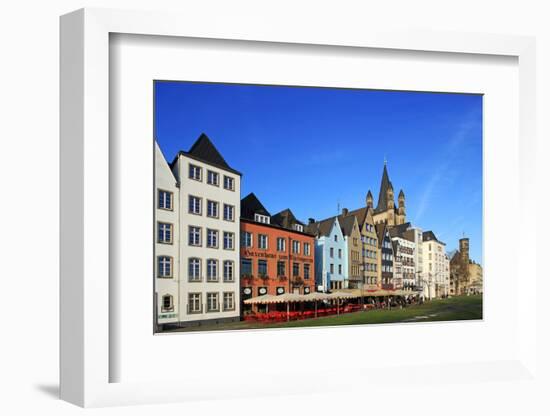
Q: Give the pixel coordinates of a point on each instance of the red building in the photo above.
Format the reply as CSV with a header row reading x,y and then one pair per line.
x,y
277,256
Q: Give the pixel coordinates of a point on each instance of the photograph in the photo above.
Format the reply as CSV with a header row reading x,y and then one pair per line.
x,y
296,206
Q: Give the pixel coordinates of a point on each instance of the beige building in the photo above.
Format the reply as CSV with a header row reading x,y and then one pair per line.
x,y
435,263
466,276
369,240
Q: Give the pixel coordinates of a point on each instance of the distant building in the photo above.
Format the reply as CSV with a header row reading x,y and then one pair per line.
x,y
403,238
466,276
386,211
386,256
330,254
434,261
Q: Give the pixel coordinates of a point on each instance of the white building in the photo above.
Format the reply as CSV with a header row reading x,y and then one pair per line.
x,y
436,267
202,257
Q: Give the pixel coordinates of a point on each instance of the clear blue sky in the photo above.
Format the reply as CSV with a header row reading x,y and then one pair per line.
x,y
310,149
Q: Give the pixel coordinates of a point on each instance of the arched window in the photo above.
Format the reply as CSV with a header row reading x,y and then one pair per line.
x,y
167,303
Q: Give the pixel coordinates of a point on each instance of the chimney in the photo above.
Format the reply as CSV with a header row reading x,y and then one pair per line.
x,y
311,220
344,212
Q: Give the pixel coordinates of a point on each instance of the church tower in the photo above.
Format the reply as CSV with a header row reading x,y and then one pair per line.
x,y
386,211
401,202
370,201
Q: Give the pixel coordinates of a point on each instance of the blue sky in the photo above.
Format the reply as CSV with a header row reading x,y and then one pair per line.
x,y
312,149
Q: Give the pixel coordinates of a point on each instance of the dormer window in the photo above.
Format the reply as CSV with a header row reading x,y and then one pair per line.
x,y
264,219
298,227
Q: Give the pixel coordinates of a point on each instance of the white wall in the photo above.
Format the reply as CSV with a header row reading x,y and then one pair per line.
x,y
29,105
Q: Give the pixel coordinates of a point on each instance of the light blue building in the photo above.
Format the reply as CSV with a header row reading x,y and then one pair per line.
x,y
330,255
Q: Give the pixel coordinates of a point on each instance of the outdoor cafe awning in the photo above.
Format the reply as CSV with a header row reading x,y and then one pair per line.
x,y
293,297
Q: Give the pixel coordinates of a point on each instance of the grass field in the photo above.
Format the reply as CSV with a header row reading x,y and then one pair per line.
x,y
450,309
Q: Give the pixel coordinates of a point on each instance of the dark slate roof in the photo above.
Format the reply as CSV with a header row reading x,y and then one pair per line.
x,y
385,184
399,230
285,219
395,244
409,235
361,214
321,228
251,205
346,223
401,193
204,150
430,236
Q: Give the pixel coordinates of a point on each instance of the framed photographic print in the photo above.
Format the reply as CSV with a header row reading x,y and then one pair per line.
x,y
289,207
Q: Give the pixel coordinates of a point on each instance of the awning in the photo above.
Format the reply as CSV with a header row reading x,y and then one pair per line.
x,y
380,292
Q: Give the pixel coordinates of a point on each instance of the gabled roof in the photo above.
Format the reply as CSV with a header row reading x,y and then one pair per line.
x,y
346,223
251,205
361,214
380,232
322,228
430,236
285,219
204,150
399,230
385,184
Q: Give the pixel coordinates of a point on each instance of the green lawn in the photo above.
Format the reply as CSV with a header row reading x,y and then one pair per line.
x,y
451,309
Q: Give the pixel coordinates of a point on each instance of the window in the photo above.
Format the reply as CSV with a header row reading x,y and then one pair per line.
x,y
295,269
164,233
262,267
195,303
331,268
228,183
261,218
298,227
331,252
281,244
165,200
164,266
228,212
296,247
228,301
340,269
212,238
306,271
246,239
195,205
246,267
213,178
212,270
339,253
335,237
194,236
167,303
262,241
228,271
212,209
281,268
194,270
228,240
195,172
212,302
307,249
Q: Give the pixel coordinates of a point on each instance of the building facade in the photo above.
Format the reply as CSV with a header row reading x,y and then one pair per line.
x,y
385,252
369,241
330,254
466,276
405,254
276,254
435,281
205,255
167,272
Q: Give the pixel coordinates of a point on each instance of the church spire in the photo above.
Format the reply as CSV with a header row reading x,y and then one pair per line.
x,y
385,185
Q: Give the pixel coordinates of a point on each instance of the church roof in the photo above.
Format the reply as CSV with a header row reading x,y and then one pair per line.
x,y
251,205
204,150
385,184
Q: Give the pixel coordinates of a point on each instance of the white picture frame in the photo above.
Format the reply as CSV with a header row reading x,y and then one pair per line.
x,y
86,355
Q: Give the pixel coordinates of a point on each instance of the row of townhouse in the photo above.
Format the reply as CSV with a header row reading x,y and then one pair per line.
x,y
214,250
374,248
